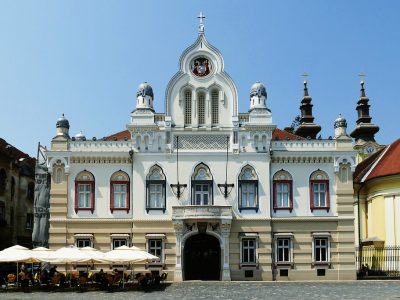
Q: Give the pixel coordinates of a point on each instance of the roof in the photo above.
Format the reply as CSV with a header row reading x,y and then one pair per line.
x,y
14,153
279,134
119,136
382,163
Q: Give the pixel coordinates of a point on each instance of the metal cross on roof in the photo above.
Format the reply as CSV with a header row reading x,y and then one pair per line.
x,y
305,75
362,76
201,17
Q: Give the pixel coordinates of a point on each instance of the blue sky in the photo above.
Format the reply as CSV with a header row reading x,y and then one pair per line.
x,y
87,58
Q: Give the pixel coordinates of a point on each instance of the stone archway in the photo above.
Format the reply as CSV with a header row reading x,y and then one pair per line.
x,y
202,258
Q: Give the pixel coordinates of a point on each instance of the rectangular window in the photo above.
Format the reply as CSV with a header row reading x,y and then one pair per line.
x,y
201,105
215,113
201,194
29,221
321,248
156,196
319,192
84,195
248,195
80,243
119,242
283,254
155,247
249,250
120,191
282,194
188,108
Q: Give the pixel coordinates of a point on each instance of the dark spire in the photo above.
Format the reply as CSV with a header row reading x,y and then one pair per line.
x,y
307,127
365,130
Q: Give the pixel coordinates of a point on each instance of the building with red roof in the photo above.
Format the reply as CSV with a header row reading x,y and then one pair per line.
x,y
377,191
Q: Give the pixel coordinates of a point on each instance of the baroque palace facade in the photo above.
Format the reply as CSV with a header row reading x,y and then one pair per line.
x,y
215,193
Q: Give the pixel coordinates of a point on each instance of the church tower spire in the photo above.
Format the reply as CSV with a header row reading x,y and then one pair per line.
x,y
365,130
307,127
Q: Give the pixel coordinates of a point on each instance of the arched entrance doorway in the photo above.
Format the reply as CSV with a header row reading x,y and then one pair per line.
x,y
202,258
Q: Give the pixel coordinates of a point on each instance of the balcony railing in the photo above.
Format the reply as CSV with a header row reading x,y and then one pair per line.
x,y
202,212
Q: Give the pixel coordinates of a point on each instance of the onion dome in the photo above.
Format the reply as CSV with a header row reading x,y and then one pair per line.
x,y
144,90
144,96
258,89
340,122
80,137
62,122
258,95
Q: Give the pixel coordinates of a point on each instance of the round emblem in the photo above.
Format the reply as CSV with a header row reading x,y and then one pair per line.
x,y
201,66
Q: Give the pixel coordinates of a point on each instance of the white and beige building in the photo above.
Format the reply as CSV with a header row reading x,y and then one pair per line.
x,y
215,193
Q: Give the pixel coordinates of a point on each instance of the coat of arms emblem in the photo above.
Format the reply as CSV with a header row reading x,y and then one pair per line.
x,y
201,66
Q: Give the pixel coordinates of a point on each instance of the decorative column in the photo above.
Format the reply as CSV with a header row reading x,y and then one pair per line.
x,y
225,232
179,228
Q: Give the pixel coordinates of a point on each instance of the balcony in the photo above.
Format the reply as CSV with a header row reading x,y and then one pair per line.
x,y
202,212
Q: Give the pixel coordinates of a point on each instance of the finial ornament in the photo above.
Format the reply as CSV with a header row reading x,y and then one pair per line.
x,y
362,88
201,24
305,75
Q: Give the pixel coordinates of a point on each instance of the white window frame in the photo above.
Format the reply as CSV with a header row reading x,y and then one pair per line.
x,y
249,236
156,236
86,194
87,237
119,237
120,196
321,235
288,236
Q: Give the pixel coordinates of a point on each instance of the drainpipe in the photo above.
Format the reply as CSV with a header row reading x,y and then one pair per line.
x,y
271,221
359,229
130,193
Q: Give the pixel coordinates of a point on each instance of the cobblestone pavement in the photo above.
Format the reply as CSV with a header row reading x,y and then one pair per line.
x,y
380,290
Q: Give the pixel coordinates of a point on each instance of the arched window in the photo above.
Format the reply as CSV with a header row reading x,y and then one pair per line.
x,y
119,192
155,189
188,107
146,142
264,143
344,172
319,190
59,174
202,186
283,191
215,108
201,101
256,142
248,189
84,191
138,141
